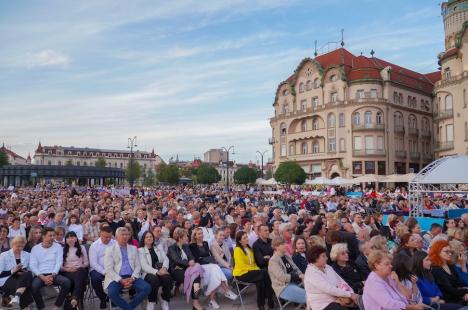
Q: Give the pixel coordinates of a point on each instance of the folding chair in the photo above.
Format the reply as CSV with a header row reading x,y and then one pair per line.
x,y
245,285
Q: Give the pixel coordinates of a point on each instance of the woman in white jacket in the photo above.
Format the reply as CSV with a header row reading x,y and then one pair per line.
x,y
15,279
154,266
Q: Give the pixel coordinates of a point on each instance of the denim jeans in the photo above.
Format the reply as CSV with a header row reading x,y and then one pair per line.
x,y
141,286
227,272
294,293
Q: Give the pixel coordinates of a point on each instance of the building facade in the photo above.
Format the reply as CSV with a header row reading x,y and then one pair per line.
x,y
451,102
227,173
13,158
346,115
215,156
75,156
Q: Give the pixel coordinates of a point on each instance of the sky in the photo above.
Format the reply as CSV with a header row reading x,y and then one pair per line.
x,y
183,76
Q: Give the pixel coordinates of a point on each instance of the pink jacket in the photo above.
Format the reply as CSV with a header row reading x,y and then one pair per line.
x,y
191,273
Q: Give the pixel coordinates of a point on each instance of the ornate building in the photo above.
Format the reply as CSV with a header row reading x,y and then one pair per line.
x,y
75,156
451,103
346,115
13,158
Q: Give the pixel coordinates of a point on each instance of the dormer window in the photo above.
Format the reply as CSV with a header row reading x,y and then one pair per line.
x,y
447,73
285,92
316,83
333,78
334,97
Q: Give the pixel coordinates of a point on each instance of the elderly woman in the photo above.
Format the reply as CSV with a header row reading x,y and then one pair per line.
x,y
444,273
344,268
213,276
381,290
325,289
459,261
15,279
299,256
221,253
285,275
34,238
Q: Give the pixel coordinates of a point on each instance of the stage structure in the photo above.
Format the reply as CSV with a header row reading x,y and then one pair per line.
x,y
446,175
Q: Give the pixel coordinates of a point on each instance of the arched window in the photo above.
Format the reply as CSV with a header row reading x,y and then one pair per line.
x,y
315,124
292,149
331,120
121,165
304,148
315,147
283,129
398,119
285,92
317,83
309,85
301,87
85,164
303,125
341,120
448,102
368,117
333,78
378,118
357,118
412,121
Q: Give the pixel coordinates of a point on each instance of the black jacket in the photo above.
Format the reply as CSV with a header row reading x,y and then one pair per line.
x,y
353,244
300,261
363,266
351,276
202,255
261,249
175,257
451,287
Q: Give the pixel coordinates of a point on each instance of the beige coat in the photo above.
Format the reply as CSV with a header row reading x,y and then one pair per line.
x,y
218,253
113,263
278,274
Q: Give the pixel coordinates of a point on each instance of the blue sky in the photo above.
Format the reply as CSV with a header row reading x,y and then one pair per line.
x,y
184,76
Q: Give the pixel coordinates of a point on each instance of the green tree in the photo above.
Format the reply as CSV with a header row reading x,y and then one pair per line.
x,y
133,171
101,162
168,173
289,172
3,159
69,163
149,178
245,175
207,174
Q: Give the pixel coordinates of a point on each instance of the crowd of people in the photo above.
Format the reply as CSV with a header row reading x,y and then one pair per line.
x,y
322,251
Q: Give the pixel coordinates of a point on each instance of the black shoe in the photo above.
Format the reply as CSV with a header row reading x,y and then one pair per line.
x,y
261,307
103,304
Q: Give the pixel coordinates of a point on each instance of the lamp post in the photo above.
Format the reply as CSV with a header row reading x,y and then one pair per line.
x,y
132,142
261,155
227,167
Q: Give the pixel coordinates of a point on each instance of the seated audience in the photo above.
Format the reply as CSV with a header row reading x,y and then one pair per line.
x,y
34,238
346,269
299,256
362,263
459,261
122,271
45,262
405,279
221,253
4,241
325,289
284,274
262,247
75,226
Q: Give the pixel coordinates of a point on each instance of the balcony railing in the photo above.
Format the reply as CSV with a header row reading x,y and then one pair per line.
x,y
372,126
399,129
400,154
271,140
425,134
415,155
443,114
369,152
443,146
307,156
427,156
413,131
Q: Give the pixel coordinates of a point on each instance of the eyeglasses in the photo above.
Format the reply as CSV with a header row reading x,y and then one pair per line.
x,y
447,251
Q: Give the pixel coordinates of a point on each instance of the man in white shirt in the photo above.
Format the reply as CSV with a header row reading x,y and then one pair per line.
x,y
96,262
45,262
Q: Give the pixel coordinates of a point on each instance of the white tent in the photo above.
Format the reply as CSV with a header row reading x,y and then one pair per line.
x,y
368,178
318,181
271,181
397,178
260,181
341,181
445,175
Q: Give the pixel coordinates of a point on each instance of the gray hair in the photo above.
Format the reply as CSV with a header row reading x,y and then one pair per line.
x,y
121,230
283,227
336,249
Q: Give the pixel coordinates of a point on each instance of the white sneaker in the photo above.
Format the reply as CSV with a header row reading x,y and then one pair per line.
x,y
164,304
231,295
213,304
14,300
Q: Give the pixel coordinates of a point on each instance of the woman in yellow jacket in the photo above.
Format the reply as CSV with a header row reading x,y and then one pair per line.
x,y
246,270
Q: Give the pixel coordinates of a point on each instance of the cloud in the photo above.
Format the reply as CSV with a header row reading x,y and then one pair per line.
x,y
44,58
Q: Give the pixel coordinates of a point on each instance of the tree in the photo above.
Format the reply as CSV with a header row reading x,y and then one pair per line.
x,y
207,174
3,159
168,173
149,178
101,162
133,171
245,175
69,163
289,172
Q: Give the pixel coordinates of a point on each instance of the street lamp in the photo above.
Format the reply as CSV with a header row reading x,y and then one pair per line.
x,y
132,142
227,167
261,155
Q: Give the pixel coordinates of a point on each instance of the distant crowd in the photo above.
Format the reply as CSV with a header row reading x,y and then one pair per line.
x,y
316,249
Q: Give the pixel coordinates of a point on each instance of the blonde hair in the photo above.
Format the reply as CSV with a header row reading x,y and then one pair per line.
x,y
179,233
376,257
378,242
452,231
17,240
336,249
194,232
276,242
315,240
